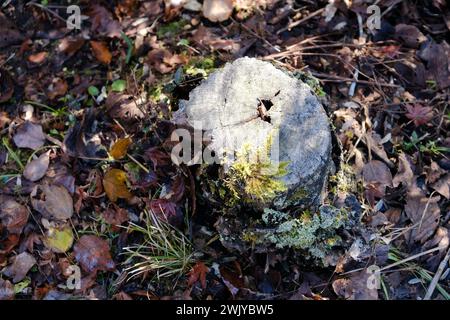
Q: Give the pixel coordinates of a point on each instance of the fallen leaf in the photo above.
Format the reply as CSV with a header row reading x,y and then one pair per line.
x,y
217,10
13,215
423,212
102,22
20,267
59,240
69,46
157,157
121,296
101,52
119,85
377,177
165,210
437,57
58,88
433,172
357,287
115,186
410,35
115,217
59,174
419,114
38,57
405,174
93,254
29,135
6,290
204,36
36,169
443,186
120,148
163,60
125,107
83,140
198,273
52,201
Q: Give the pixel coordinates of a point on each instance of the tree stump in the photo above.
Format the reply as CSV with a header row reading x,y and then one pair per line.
x,y
249,100
251,105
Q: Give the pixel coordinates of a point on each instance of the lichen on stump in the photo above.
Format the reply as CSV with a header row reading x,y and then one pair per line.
x,y
269,132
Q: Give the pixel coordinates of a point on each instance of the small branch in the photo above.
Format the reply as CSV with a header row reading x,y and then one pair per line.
x,y
437,276
296,23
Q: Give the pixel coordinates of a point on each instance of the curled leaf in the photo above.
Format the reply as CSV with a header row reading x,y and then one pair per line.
x,y
101,52
120,148
37,168
115,186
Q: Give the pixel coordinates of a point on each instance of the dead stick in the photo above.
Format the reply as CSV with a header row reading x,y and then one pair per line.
x,y
437,276
296,23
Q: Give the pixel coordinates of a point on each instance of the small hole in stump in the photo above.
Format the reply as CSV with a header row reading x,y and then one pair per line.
x,y
263,107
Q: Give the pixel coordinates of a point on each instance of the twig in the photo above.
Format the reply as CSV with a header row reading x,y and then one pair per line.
x,y
32,3
296,23
437,276
332,78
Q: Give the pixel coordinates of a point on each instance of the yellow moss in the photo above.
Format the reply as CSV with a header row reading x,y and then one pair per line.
x,y
253,178
344,179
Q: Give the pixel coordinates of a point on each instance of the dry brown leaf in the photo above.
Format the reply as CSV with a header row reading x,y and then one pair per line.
x,y
102,21
115,186
198,273
115,217
410,35
70,46
424,213
101,52
443,186
437,56
433,172
377,177
13,215
58,88
93,254
124,107
52,201
217,10
38,57
29,135
20,267
360,286
37,168
405,174
120,148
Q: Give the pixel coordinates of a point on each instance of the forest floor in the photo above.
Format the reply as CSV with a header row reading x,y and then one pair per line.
x,y
88,190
